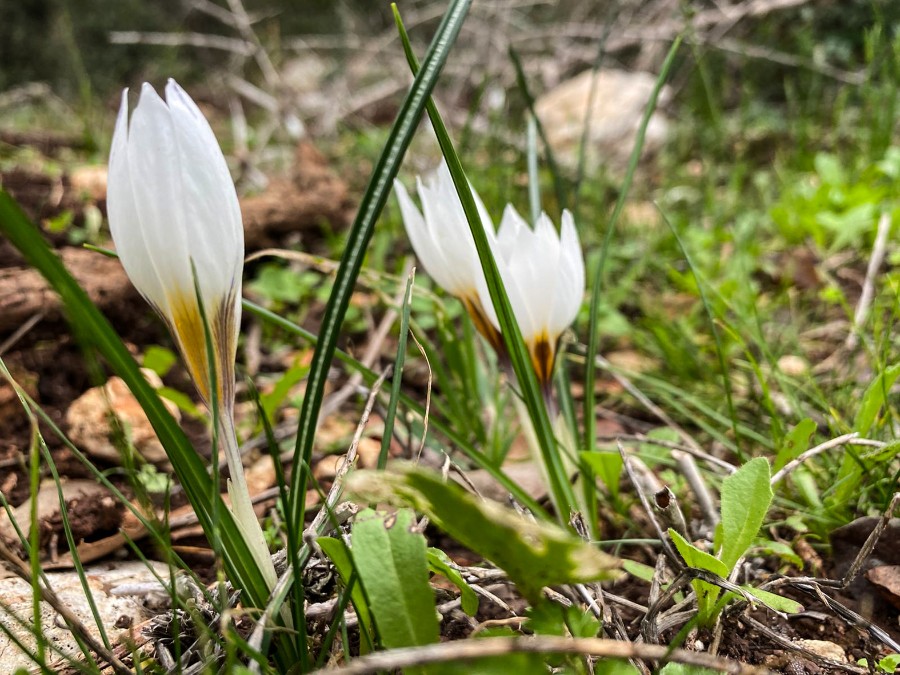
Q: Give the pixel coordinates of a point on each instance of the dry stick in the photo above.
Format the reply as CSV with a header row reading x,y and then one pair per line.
x,y
21,569
468,650
309,534
667,547
872,539
705,500
20,332
427,414
796,648
868,289
699,454
227,44
812,452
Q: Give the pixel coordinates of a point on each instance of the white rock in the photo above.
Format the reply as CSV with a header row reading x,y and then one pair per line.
x,y
112,608
617,107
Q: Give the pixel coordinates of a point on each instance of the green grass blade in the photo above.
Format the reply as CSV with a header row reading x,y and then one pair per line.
x,y
94,331
560,488
558,185
398,373
370,208
590,399
720,353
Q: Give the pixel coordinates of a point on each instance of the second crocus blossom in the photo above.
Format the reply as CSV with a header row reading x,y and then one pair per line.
x,y
176,223
441,238
543,273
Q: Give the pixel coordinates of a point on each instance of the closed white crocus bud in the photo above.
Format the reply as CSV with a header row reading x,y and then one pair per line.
x,y
543,273
174,212
176,223
443,242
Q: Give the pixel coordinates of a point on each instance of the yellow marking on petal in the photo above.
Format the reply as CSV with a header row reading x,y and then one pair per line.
x,y
543,352
186,323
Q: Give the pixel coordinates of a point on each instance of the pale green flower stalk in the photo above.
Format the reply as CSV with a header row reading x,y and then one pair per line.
x,y
176,223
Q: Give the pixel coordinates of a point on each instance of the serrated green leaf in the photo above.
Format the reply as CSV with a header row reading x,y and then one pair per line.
x,y
746,496
391,563
533,554
439,563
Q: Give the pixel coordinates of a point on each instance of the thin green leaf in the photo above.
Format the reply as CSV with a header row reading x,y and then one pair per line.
x,y
398,373
439,563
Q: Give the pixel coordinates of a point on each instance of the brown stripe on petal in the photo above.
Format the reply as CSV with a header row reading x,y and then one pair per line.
x,y
542,355
482,323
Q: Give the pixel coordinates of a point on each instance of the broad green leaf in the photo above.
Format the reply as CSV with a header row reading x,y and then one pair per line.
x,y
533,554
159,359
694,557
795,442
439,563
746,496
889,663
614,667
707,593
774,601
340,556
391,563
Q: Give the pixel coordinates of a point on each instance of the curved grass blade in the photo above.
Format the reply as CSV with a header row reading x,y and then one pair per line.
x,y
590,400
94,331
398,373
370,208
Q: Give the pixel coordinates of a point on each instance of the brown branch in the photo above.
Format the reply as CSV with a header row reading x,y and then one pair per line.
x,y
469,650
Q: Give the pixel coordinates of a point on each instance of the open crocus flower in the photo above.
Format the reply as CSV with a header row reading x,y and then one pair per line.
x,y
543,273
176,223
443,243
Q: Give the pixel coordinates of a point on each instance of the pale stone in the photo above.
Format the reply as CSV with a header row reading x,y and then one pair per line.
x,y
616,110
89,424
113,587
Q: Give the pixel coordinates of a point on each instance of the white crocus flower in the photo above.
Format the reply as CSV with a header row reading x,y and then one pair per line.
x,y
443,242
176,223
543,273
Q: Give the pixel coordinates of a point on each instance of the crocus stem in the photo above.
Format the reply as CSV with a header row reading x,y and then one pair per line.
x,y
241,504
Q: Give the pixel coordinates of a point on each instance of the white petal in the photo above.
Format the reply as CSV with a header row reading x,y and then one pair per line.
x,y
209,201
570,286
426,250
153,162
